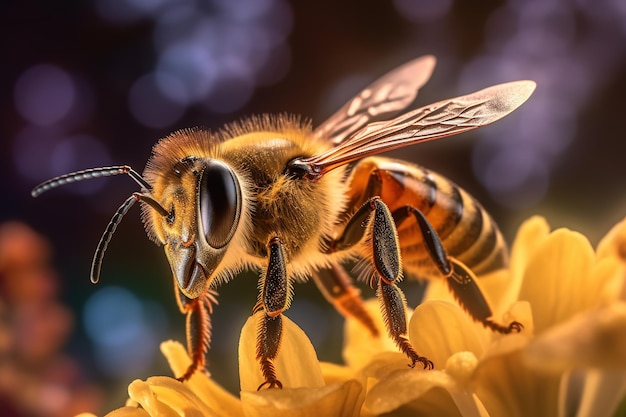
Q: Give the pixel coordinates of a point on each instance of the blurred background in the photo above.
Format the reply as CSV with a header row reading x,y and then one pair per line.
x,y
88,83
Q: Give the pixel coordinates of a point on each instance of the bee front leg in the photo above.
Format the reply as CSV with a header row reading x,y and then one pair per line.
x,y
198,327
273,300
460,279
387,270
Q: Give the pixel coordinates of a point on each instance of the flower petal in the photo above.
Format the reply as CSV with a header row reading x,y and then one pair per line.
x,y
296,364
593,339
603,391
509,343
507,387
416,391
164,396
123,412
332,400
609,274
210,392
334,373
557,277
359,345
614,243
439,329
338,374
140,392
404,386
531,234
468,403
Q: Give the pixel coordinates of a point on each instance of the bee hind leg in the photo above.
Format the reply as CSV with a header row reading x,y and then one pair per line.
x,y
387,265
459,278
394,308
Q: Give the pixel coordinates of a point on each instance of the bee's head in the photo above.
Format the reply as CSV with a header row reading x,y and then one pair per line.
x,y
202,197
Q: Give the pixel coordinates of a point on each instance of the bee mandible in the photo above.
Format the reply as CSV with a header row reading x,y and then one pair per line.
x,y
276,196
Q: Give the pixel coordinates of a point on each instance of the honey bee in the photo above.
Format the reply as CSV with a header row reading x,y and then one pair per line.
x,y
276,196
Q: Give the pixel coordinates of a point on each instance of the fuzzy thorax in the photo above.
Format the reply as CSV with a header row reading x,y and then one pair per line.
x,y
274,203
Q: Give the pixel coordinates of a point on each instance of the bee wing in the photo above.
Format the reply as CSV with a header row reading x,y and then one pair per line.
x,y
445,118
389,94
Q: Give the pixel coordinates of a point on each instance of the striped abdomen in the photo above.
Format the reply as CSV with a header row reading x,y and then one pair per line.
x,y
468,233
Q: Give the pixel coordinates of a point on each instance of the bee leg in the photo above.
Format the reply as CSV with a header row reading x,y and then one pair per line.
x,y
460,279
393,309
387,269
386,249
198,312
388,266
336,286
273,300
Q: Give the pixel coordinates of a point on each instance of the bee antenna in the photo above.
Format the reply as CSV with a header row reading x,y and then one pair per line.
x,y
87,174
144,198
96,264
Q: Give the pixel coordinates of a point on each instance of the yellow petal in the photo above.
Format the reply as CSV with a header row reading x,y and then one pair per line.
x,y
383,364
333,400
468,404
123,412
140,392
359,345
334,373
439,329
531,234
211,393
615,286
611,255
614,243
296,364
602,394
596,338
521,312
500,291
557,277
160,395
438,290
415,392
505,344
507,387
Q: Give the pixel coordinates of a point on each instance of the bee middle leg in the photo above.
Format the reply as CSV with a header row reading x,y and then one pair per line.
x,y
387,265
459,278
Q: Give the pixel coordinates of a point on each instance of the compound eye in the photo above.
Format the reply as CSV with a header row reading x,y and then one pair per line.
x,y
219,202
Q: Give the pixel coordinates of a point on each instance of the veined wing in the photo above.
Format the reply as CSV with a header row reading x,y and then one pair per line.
x,y
381,100
445,118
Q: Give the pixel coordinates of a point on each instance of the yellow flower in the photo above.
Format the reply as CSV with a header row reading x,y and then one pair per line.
x,y
307,390
556,286
589,349
570,299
